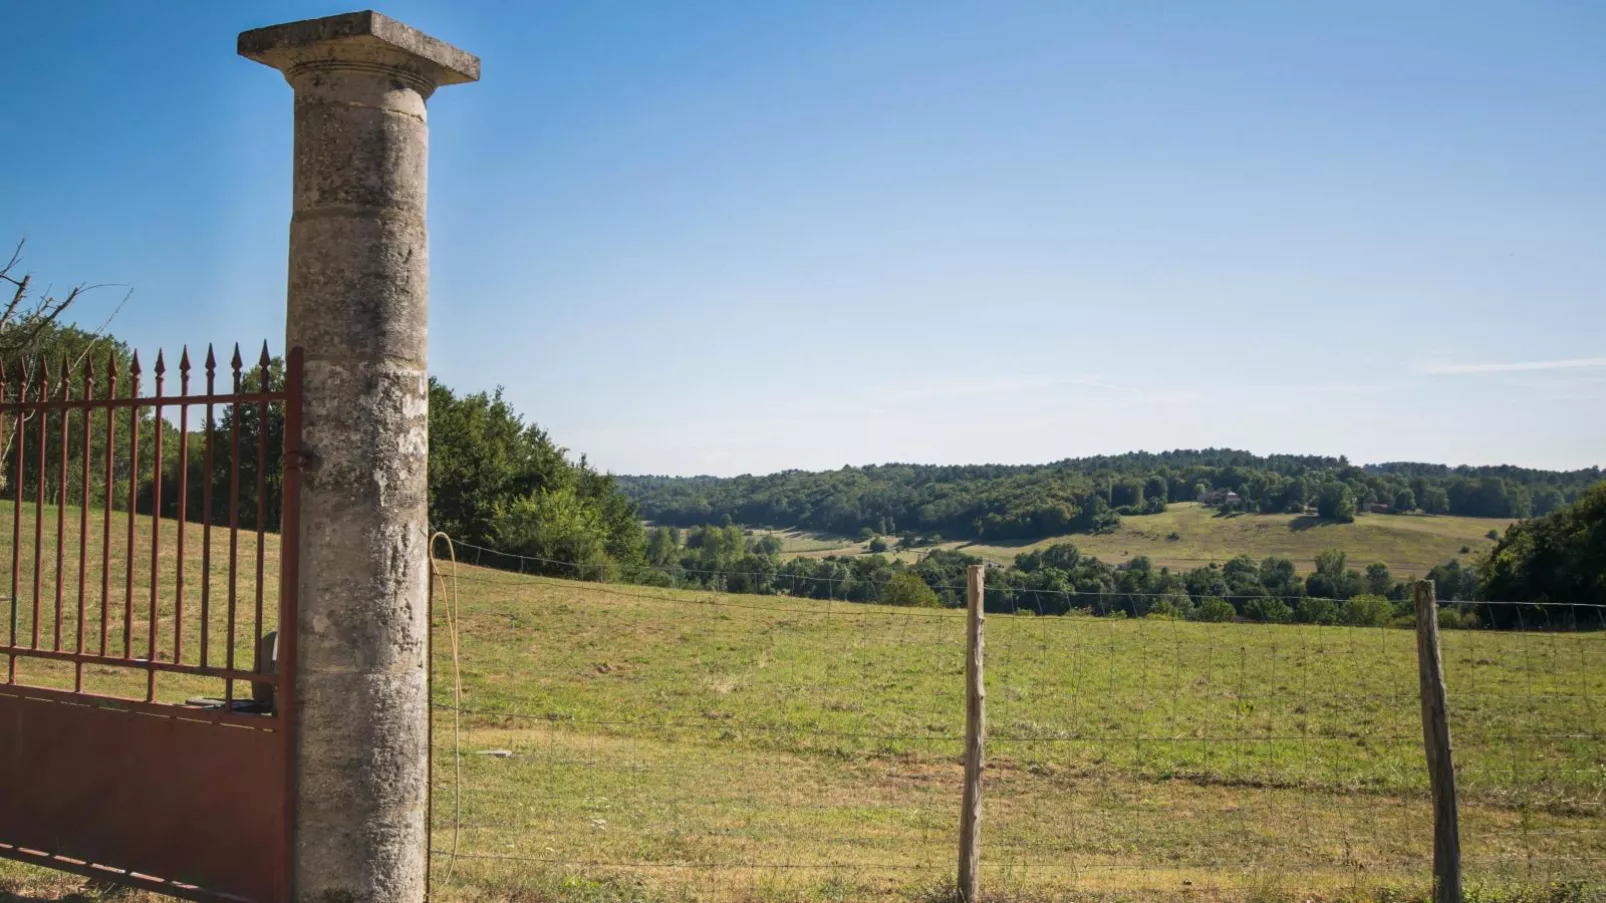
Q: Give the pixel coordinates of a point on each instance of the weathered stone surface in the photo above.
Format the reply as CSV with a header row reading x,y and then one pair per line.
x,y
351,39
358,308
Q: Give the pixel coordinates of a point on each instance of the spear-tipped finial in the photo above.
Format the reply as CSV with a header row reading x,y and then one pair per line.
x,y
211,359
238,362
161,365
134,368
266,360
184,368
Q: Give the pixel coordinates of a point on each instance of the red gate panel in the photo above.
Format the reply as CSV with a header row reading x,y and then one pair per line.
x,y
195,806
138,604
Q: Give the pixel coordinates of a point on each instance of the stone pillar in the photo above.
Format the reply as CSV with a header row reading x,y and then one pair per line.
x,y
358,298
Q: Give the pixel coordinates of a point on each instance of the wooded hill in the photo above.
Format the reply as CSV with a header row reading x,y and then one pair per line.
x,y
990,502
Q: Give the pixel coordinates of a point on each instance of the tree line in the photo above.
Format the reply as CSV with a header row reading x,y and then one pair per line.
x,y
498,481
1089,495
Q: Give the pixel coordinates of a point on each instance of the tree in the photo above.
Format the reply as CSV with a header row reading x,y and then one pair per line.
x,y
1336,502
1378,578
878,545
556,525
1330,579
1560,557
1404,501
1317,610
905,588
661,547
33,340
1435,500
1367,611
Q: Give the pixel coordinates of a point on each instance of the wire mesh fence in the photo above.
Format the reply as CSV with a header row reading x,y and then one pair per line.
x,y
637,742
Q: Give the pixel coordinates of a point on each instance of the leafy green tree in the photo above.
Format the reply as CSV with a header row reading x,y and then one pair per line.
x,y
662,547
878,546
907,589
557,525
1367,611
1331,579
1404,501
1436,500
1560,557
1546,499
1336,502
1317,610
1378,579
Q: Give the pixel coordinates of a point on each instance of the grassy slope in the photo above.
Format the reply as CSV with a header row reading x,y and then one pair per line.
x,y
761,747
1410,544
666,742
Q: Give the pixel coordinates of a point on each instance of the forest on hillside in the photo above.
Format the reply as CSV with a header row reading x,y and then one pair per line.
x,y
501,482
994,502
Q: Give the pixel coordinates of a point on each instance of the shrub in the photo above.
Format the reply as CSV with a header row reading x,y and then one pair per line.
x,y
1272,611
877,546
1367,611
1214,610
1170,607
1465,549
1314,610
1173,536
1493,534
907,589
1458,619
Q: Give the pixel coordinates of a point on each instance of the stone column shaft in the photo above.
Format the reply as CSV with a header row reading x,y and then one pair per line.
x,y
358,307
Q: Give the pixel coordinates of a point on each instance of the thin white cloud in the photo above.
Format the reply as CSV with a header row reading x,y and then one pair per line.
x,y
1447,368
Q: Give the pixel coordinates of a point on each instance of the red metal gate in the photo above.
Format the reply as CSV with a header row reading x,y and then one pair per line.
x,y
144,737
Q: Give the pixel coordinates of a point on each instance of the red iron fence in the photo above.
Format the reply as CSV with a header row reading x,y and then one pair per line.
x,y
145,708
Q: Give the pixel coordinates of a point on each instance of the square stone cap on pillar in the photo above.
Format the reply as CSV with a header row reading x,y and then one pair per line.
x,y
284,46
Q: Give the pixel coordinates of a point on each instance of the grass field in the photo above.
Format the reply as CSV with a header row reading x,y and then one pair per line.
x,y
1410,544
128,598
626,743
654,744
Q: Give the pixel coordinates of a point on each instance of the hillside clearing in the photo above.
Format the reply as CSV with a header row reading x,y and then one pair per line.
x,y
1410,544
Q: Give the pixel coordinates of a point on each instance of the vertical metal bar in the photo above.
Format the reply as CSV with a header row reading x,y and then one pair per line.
x,y
159,427
133,500
234,525
61,505
16,513
206,515
83,518
262,498
289,598
183,503
106,506
39,500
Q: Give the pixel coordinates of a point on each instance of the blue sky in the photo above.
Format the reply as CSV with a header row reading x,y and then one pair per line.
x,y
719,237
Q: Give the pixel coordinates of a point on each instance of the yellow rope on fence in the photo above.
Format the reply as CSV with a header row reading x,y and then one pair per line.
x,y
452,609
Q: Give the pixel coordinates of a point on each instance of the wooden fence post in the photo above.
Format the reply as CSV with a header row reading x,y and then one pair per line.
x,y
1436,737
975,737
